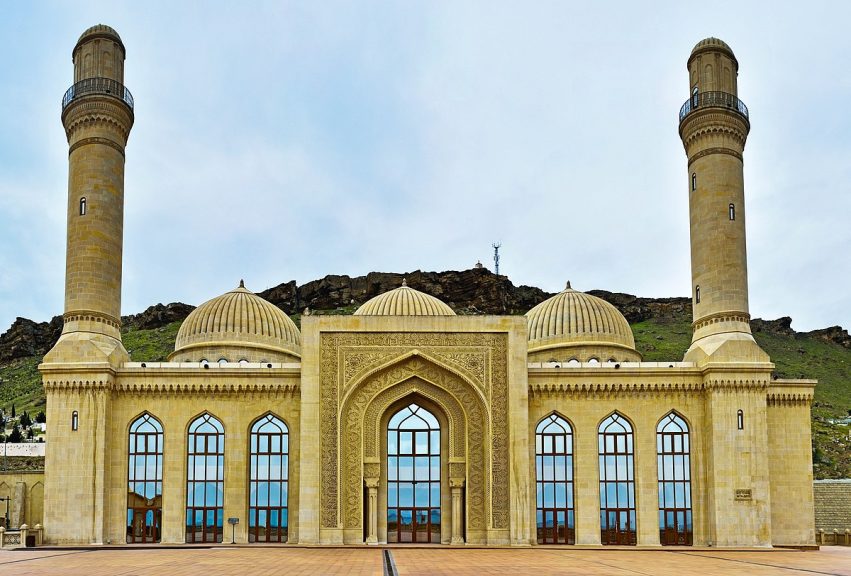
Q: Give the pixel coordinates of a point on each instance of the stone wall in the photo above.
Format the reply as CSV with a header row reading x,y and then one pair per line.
x,y
26,490
832,504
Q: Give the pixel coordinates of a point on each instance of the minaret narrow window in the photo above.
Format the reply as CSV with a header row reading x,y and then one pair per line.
x,y
694,181
732,211
695,98
75,420
83,206
740,420
697,294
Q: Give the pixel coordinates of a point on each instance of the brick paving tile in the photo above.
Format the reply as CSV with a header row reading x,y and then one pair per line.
x,y
550,561
544,561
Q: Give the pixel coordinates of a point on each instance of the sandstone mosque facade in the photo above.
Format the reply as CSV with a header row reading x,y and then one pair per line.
x,y
407,423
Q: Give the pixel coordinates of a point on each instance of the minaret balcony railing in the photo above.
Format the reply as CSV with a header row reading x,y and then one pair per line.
x,y
713,100
102,86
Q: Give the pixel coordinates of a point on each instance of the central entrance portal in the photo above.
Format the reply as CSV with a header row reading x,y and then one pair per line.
x,y
413,476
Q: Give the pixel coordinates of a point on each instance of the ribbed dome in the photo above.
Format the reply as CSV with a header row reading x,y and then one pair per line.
x,y
404,301
710,44
572,319
234,323
99,31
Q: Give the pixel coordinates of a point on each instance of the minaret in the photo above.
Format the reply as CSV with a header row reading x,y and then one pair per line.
x,y
714,126
97,113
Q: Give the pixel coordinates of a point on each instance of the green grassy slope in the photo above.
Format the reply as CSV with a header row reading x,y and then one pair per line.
x,y
657,339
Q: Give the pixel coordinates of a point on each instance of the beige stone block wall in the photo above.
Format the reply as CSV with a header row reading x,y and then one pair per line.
x,y
86,478
737,460
585,397
790,463
74,462
33,486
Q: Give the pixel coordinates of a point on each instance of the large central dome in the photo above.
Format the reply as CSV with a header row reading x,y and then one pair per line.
x,y
404,301
238,325
573,325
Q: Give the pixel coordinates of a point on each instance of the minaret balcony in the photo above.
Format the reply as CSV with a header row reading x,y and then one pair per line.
x,y
724,100
98,86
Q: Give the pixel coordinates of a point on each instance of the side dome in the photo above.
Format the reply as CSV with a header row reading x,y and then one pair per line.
x,y
238,325
573,325
404,301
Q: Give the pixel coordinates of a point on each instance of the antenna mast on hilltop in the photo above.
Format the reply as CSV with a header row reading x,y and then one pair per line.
x,y
496,247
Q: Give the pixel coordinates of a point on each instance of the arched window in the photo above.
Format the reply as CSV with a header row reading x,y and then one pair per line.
x,y
573,362
695,97
694,181
413,476
205,485
617,482
268,481
223,361
594,361
144,480
554,481
697,294
674,465
75,420
740,420
732,211
83,206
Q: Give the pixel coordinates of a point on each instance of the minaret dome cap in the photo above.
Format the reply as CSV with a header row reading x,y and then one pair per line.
x,y
713,44
99,31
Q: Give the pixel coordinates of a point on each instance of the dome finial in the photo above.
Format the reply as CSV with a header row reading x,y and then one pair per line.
x,y
404,282
568,286
241,283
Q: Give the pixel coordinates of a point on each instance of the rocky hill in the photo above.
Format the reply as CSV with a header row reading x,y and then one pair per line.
x,y
662,328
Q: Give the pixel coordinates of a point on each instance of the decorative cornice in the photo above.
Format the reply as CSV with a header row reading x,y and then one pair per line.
x,y
715,150
789,398
219,388
96,140
608,389
717,317
97,111
91,316
712,122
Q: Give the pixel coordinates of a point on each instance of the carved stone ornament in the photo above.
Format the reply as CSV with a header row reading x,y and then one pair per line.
x,y
363,374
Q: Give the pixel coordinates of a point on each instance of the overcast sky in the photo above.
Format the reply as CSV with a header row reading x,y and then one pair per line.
x,y
278,141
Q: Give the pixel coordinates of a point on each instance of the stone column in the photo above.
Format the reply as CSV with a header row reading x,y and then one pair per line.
x,y
456,486
372,510
19,504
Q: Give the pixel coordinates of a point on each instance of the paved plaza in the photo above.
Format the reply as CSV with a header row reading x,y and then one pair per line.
x,y
260,561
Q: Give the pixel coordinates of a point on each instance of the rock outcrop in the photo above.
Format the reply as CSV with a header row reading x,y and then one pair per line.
x,y
474,291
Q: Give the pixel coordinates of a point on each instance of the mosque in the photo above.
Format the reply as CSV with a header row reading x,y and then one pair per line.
x,y
405,423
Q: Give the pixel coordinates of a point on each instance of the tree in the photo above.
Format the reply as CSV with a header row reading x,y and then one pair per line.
x,y
16,436
30,433
13,410
25,420
41,417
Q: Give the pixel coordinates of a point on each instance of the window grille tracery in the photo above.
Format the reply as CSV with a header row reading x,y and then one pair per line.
x,y
673,449
144,480
555,513
268,519
205,480
413,476
617,481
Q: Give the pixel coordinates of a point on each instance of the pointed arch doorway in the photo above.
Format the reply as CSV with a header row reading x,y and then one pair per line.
x,y
413,476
